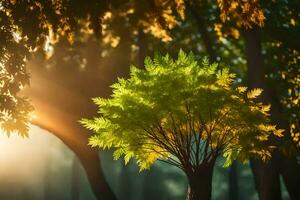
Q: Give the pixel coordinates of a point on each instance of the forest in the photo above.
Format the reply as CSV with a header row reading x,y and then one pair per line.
x,y
150,99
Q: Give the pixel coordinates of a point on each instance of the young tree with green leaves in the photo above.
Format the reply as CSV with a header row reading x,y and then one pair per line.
x,y
184,113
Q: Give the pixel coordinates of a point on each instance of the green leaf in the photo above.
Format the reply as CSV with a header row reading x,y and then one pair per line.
x,y
173,103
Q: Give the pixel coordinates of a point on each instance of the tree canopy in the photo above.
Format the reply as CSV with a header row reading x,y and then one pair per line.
x,y
29,26
14,109
51,27
183,112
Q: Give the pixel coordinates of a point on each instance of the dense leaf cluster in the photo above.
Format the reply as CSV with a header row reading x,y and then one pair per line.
x,y
183,112
14,109
28,26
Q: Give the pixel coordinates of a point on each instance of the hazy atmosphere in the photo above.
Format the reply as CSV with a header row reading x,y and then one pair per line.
x,y
150,100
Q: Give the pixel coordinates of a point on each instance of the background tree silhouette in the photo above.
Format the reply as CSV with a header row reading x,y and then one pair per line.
x,y
44,27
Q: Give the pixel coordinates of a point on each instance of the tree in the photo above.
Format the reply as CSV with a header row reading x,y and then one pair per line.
x,y
30,26
40,24
183,113
270,53
27,26
272,64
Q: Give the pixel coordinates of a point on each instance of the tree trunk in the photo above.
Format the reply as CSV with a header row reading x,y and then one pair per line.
x,y
200,182
143,47
290,171
266,177
202,28
61,98
267,174
207,41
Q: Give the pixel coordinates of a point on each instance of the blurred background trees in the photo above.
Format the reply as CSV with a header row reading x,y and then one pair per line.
x,y
73,50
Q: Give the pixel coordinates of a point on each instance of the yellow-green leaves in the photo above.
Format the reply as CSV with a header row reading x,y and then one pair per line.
x,y
180,6
295,134
225,78
252,94
236,15
241,89
271,128
265,109
230,156
245,13
279,132
178,109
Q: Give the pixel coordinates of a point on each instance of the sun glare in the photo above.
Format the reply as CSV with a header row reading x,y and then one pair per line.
x,y
20,157
27,165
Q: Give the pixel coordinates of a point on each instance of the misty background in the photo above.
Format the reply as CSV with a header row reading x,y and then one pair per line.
x,y
42,167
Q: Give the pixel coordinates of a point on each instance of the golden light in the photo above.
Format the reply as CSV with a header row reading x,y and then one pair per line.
x,y
17,36
48,48
26,161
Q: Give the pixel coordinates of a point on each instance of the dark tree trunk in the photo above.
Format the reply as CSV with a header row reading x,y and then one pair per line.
x,y
202,28
208,43
267,175
233,182
290,171
254,58
200,182
142,44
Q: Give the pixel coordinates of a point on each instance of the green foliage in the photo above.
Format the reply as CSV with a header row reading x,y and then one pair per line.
x,y
30,26
181,111
40,21
14,108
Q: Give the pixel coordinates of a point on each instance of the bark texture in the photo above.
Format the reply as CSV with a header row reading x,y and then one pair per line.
x,y
200,182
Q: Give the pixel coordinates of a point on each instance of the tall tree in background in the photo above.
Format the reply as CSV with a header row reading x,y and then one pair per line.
x,y
37,25
29,26
271,61
278,30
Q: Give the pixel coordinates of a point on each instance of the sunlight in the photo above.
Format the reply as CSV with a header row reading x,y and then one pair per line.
x,y
13,145
192,86
32,167
17,36
20,157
